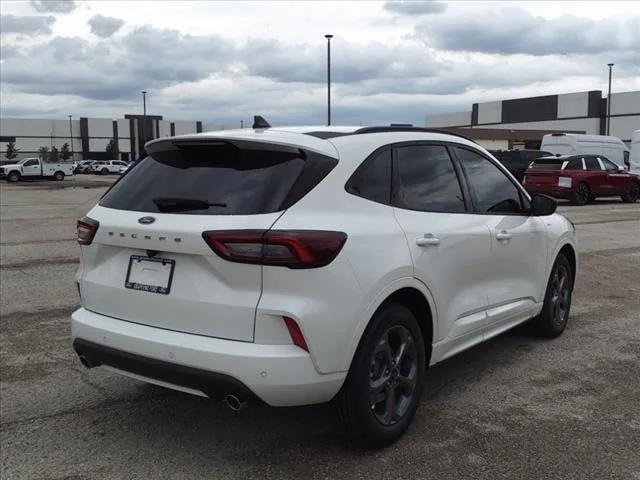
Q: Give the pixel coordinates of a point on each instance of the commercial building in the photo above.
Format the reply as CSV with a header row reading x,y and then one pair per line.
x,y
88,137
527,119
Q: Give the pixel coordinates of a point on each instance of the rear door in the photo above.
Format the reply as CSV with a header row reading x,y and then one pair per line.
x,y
149,263
596,176
448,244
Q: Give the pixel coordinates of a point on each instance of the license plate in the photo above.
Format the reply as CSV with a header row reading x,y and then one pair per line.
x,y
564,182
150,274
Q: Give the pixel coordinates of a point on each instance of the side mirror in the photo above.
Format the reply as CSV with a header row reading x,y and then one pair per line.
x,y
622,169
543,205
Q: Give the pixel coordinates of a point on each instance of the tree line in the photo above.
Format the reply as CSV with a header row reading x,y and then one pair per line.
x,y
52,154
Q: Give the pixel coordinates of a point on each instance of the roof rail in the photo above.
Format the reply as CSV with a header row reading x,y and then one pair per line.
x,y
403,128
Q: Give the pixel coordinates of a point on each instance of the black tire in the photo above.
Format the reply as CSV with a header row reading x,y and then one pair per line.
x,y
632,194
58,176
557,301
581,194
14,176
390,360
104,171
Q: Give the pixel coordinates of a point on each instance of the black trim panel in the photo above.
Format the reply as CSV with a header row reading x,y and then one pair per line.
x,y
214,385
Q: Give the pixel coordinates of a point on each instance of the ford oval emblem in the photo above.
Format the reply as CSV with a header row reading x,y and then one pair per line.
x,y
146,220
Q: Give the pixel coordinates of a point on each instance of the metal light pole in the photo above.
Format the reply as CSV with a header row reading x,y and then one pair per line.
x,y
328,37
73,154
144,118
610,65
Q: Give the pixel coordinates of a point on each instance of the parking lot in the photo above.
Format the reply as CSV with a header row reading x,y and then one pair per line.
x,y
513,407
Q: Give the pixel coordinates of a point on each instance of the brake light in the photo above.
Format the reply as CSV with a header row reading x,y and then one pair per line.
x,y
285,248
87,228
296,333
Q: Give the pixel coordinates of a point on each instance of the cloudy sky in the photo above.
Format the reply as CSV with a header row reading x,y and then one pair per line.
x,y
221,62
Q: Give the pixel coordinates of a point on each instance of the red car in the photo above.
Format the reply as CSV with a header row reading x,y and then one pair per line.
x,y
581,178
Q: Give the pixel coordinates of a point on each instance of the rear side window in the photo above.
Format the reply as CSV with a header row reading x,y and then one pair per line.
x,y
574,164
372,179
218,179
492,190
592,163
426,180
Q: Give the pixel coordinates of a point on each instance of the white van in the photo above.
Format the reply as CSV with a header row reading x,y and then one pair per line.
x,y
634,158
575,144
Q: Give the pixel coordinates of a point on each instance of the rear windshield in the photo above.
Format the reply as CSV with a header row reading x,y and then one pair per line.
x,y
217,179
546,164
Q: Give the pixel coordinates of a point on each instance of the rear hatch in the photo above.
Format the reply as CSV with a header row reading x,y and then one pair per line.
x,y
148,262
544,171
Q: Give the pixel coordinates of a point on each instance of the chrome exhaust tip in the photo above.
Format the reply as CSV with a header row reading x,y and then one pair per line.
x,y
84,361
234,403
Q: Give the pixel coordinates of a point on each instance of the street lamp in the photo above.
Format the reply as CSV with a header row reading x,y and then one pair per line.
x,y
328,37
144,117
71,137
610,65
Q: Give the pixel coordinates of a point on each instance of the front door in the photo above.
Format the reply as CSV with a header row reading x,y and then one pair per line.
x,y
449,245
31,167
516,277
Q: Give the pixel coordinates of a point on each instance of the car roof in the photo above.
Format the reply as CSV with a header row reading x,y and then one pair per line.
x,y
321,139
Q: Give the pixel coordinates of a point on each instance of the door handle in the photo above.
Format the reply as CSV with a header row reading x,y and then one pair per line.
x,y
427,239
503,236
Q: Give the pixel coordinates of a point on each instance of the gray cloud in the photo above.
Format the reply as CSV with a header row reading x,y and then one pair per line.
x,y
26,24
105,26
414,7
54,6
513,30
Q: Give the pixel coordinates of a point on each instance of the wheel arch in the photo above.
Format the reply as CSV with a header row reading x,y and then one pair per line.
x,y
569,252
415,296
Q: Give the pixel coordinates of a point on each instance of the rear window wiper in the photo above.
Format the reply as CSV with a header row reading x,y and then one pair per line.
x,y
184,204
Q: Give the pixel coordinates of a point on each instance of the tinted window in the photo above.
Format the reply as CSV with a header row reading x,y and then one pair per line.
x,y
232,181
547,163
609,166
493,191
372,179
574,164
592,163
426,180
30,163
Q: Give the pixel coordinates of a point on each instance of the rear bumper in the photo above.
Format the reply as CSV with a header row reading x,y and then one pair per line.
x,y
279,375
554,191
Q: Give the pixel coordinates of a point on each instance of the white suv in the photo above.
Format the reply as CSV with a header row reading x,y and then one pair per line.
x,y
296,266
105,167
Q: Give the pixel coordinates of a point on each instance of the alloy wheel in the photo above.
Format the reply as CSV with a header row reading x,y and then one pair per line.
x,y
393,375
583,193
560,296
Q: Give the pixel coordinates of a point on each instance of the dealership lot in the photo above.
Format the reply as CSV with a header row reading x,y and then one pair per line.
x,y
513,407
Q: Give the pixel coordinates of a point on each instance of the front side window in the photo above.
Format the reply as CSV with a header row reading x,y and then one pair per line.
x,y
592,164
492,190
426,180
30,163
372,179
609,166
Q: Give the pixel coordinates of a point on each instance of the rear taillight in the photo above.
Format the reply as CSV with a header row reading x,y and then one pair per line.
x,y
87,228
296,333
285,248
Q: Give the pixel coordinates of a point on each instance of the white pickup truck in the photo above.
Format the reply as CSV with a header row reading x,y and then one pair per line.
x,y
35,168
